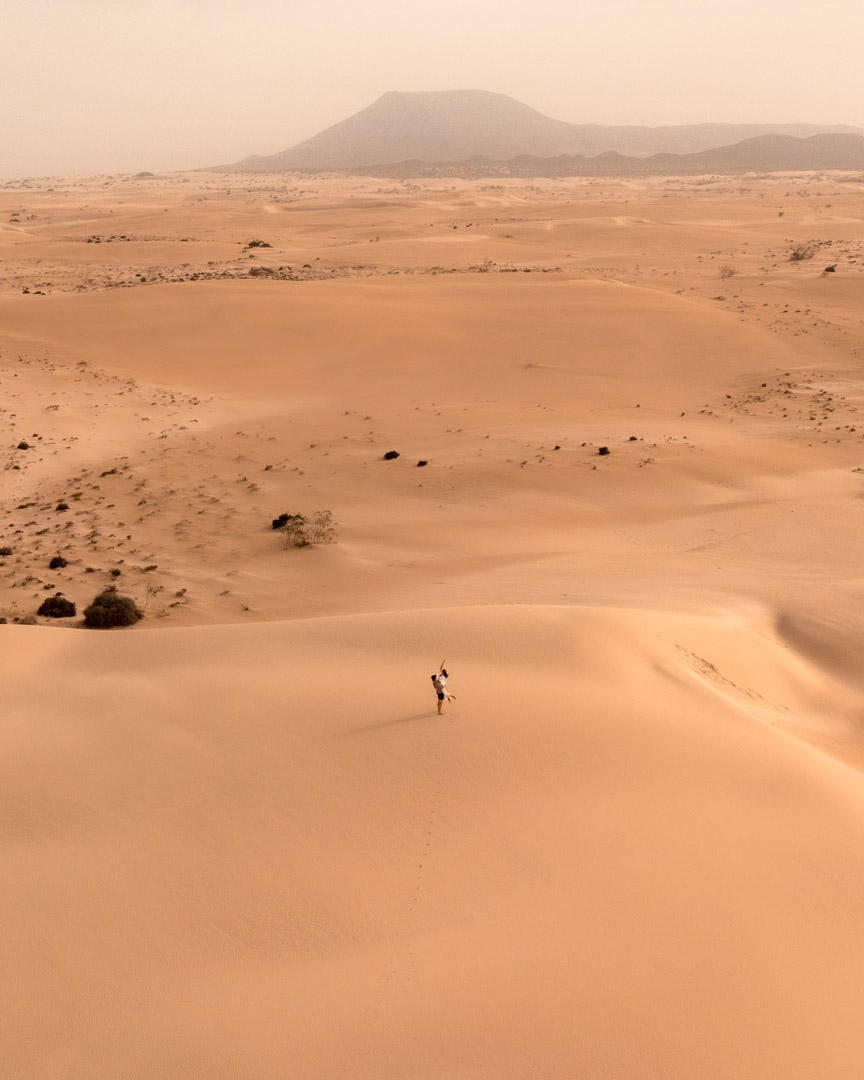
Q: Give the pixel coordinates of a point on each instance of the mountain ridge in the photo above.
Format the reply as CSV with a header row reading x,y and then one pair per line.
x,y
446,127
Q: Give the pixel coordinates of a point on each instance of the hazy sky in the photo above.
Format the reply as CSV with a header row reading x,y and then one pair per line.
x,y
125,85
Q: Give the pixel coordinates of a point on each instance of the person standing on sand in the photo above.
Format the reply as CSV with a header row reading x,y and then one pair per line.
x,y
439,681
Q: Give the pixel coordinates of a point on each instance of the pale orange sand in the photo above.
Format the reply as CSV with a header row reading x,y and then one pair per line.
x,y
237,841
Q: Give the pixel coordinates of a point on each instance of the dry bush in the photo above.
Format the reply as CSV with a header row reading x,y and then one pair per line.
x,y
322,528
109,609
300,531
57,607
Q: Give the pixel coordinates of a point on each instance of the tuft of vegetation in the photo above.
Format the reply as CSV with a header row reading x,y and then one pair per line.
x,y
23,445
391,455
57,563
5,551
57,607
800,253
300,531
295,532
257,243
603,451
727,271
322,528
110,609
421,464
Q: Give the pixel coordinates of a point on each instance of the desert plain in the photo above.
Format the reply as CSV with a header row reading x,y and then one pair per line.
x,y
237,840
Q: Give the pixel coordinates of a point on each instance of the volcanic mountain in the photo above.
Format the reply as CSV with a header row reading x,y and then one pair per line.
x,y
455,125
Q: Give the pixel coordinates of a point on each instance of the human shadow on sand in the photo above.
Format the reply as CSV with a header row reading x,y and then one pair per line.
x,y
428,715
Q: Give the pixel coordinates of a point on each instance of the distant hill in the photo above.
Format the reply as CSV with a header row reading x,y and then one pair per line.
x,y
765,153
451,126
774,153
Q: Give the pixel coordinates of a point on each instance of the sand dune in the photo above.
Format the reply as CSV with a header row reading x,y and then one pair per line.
x,y
237,840
610,856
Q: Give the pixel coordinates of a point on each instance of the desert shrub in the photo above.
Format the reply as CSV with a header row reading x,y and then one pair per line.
x,y
300,531
61,507
295,532
109,609
57,607
422,463
257,243
798,254
281,521
322,528
391,455
727,271
151,593
57,563
5,551
23,445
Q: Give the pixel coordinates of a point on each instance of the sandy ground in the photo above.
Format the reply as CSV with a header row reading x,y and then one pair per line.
x,y
237,840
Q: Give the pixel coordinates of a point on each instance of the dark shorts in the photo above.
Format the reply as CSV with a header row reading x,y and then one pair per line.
x,y
440,697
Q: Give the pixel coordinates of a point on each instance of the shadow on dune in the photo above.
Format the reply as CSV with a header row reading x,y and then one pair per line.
x,y
830,640
428,715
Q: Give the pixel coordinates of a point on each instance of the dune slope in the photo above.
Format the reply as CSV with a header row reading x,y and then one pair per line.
x,y
603,860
